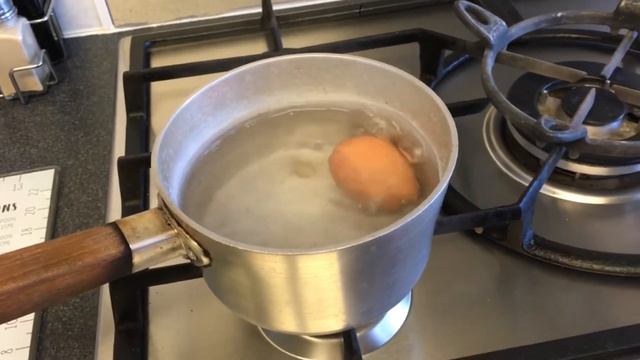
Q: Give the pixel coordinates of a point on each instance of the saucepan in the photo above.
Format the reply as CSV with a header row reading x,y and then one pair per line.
x,y
304,291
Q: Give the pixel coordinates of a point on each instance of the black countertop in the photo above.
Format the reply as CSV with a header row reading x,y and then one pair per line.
x,y
71,127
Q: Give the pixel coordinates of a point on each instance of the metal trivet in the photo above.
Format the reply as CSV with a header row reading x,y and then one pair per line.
x,y
553,135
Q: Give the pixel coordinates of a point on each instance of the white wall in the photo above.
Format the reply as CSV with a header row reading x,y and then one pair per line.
x,y
86,17
83,17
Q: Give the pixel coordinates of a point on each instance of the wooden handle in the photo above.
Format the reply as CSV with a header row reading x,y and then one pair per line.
x,y
37,276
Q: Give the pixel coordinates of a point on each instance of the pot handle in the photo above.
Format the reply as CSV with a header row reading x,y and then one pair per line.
x,y
37,276
41,275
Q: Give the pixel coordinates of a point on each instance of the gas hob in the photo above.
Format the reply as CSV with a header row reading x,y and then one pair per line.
x,y
474,297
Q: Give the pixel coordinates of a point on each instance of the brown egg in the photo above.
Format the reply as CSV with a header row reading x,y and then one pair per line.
x,y
373,172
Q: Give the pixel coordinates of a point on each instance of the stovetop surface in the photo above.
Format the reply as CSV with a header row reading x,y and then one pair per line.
x,y
474,297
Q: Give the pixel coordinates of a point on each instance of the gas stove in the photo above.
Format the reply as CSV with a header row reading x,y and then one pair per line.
x,y
477,298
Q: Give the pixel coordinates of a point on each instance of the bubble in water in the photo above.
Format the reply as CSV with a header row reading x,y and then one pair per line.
x,y
315,145
414,153
382,128
372,207
303,169
318,145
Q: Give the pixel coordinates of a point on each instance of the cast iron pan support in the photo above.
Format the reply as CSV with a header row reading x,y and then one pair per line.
x,y
553,135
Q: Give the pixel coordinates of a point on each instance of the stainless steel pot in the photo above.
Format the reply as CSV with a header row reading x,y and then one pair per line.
x,y
311,291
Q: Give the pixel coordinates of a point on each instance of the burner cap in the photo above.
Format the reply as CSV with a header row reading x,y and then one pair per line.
x,y
607,108
608,119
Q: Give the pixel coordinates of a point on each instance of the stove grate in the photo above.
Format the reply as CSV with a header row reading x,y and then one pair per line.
x,y
440,54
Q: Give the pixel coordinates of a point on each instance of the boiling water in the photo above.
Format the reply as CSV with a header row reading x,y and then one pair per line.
x,y
268,183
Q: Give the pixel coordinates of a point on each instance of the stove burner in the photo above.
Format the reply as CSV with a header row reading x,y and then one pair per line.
x,y
607,108
609,119
568,173
570,180
330,347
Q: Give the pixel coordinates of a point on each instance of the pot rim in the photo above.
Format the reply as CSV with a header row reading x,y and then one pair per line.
x,y
188,222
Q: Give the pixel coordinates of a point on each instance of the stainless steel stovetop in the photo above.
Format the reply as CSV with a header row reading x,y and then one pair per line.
x,y
474,297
